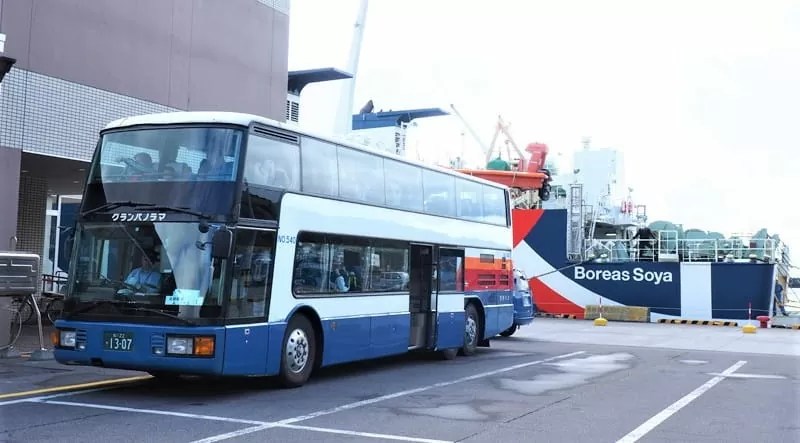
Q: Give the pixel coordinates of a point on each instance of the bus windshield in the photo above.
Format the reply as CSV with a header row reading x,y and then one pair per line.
x,y
168,154
121,267
188,167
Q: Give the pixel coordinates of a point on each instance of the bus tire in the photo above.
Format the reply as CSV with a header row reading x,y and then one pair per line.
x,y
449,354
298,352
472,330
510,331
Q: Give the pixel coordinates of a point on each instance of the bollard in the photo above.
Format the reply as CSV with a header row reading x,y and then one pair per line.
x,y
600,321
749,328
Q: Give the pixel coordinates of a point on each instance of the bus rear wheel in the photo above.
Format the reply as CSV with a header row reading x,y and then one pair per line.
x,y
298,352
472,330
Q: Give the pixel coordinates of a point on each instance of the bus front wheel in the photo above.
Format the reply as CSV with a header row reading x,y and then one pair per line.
x,y
298,353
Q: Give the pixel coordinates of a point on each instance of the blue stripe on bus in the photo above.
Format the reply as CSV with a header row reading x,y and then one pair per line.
x,y
450,330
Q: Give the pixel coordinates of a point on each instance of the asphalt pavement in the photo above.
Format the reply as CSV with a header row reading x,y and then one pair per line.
x,y
555,380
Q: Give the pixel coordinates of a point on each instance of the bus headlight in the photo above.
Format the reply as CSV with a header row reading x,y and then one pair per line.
x,y
179,345
200,346
67,339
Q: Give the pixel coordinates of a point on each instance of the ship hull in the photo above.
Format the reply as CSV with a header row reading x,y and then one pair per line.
x,y
670,290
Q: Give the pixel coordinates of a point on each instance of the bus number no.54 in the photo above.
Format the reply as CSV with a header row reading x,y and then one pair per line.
x,y
287,239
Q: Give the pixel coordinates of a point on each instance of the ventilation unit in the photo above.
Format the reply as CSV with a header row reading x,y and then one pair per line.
x,y
292,108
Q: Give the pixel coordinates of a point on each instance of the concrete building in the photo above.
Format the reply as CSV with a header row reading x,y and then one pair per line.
x,y
80,64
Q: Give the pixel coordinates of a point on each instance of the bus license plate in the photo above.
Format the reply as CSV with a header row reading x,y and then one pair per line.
x,y
118,341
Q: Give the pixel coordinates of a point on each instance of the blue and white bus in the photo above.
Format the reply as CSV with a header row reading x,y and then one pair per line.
x,y
229,244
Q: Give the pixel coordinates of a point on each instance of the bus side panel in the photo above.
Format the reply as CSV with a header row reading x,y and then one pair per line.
x,y
450,330
488,276
346,339
498,310
450,322
246,349
353,327
505,313
390,334
490,310
147,342
275,347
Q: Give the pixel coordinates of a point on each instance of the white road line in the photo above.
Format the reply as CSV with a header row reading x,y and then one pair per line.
x,y
741,375
659,418
234,434
364,434
259,425
289,421
61,394
152,411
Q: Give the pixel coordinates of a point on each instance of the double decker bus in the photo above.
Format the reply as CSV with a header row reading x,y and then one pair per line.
x,y
216,243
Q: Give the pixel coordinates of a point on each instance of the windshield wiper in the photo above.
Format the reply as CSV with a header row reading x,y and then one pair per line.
x,y
128,304
161,312
95,304
179,209
112,205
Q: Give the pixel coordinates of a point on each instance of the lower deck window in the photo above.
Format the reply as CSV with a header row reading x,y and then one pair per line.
x,y
330,264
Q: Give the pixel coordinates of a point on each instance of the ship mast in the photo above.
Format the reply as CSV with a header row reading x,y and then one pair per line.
x,y
344,120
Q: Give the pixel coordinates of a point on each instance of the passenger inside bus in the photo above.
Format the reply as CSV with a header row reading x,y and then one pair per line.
x,y
340,281
140,164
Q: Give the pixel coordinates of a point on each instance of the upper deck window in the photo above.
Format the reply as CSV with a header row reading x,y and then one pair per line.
x,y
272,163
168,154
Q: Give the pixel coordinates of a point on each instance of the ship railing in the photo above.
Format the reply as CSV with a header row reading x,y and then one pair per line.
x,y
671,249
612,250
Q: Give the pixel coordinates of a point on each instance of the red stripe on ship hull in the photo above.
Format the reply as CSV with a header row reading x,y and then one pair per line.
x,y
523,221
551,302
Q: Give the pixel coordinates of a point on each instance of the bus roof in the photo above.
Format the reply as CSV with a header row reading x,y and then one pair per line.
x,y
245,119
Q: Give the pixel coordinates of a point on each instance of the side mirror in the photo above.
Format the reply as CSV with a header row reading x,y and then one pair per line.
x,y
221,244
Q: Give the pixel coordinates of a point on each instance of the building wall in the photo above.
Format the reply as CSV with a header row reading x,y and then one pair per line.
x,y
9,193
185,54
51,116
83,63
31,216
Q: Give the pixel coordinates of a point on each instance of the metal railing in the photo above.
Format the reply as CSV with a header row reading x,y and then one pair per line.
x,y
54,283
670,248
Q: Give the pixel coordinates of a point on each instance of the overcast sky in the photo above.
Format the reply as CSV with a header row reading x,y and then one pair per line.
x,y
702,97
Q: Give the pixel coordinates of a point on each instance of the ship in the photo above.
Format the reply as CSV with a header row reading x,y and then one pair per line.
x,y
588,250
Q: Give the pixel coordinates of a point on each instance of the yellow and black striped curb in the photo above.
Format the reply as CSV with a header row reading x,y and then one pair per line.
x,y
548,315
795,327
676,321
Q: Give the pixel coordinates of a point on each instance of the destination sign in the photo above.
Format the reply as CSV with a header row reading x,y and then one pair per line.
x,y
138,216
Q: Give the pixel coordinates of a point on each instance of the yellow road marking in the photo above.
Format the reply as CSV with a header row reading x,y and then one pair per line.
x,y
93,384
